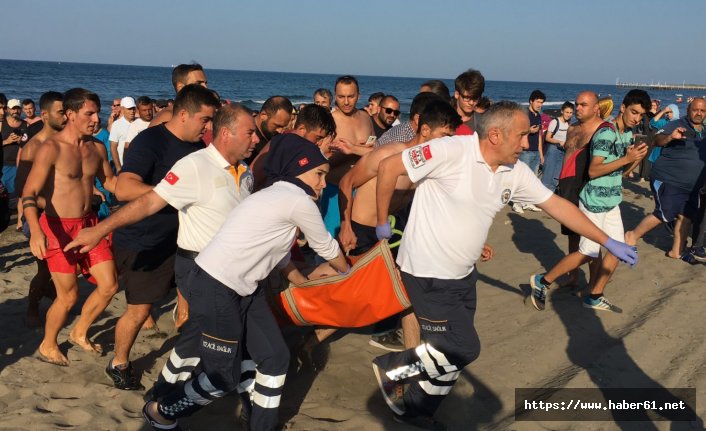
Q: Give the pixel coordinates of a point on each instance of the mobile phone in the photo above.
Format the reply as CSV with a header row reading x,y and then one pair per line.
x,y
371,140
640,138
689,134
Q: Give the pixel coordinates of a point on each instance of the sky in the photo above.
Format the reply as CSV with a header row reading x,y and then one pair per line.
x,y
591,42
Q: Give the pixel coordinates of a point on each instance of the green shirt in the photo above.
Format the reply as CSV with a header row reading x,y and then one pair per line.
x,y
602,194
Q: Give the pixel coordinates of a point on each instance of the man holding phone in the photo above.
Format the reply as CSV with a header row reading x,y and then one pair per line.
x,y
613,153
677,176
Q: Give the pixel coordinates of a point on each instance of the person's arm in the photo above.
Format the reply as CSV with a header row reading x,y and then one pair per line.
x,y
14,138
389,170
662,139
140,208
633,155
550,135
44,160
130,186
257,167
105,172
570,216
363,171
293,274
346,147
116,157
307,217
541,146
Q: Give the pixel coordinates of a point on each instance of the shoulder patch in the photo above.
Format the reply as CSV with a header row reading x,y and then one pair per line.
x,y
171,178
418,156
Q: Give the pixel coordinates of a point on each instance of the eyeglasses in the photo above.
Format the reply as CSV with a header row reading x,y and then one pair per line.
x,y
389,111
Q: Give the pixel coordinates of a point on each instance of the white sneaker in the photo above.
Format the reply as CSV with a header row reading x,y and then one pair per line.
x,y
518,208
531,207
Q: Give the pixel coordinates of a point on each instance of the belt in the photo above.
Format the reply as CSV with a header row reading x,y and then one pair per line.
x,y
188,254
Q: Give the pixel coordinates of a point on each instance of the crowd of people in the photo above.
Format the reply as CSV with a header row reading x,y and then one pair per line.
x,y
211,197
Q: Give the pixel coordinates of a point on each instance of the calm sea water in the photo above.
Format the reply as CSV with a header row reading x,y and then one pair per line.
x,y
29,79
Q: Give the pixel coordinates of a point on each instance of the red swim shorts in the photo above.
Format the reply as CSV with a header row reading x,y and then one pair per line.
x,y
61,231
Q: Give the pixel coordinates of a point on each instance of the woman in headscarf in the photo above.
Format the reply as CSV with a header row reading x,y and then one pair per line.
x,y
229,306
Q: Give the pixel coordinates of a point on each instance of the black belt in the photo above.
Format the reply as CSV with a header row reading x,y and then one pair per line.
x,y
188,254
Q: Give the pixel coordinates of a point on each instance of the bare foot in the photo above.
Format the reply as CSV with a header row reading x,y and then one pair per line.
x,y
85,344
149,323
53,356
672,256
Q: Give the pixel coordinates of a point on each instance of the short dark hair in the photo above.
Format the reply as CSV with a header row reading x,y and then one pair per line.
x,y
144,100
438,87
276,103
471,82
347,79
484,103
499,115
376,96
3,99
420,101
439,113
75,98
180,72
637,97
48,98
568,104
323,92
26,102
314,116
388,96
192,97
226,116
536,94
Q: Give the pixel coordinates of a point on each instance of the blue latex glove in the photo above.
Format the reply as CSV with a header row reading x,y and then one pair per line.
x,y
346,272
383,231
624,253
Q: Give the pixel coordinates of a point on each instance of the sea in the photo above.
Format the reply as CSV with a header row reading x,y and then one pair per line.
x,y
29,79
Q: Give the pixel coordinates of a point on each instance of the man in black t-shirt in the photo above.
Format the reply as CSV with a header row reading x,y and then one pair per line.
x,y
144,252
14,136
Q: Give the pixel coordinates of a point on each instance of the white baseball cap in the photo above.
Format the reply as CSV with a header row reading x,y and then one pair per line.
x,y
127,102
14,103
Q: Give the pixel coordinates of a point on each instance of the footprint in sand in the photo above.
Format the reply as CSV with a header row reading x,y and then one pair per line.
x,y
74,417
63,391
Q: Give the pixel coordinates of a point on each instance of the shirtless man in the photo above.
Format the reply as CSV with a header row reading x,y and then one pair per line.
x,y
64,172
355,137
359,214
182,75
52,114
578,136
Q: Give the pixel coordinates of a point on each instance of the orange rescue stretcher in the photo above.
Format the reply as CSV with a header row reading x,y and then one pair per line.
x,y
371,292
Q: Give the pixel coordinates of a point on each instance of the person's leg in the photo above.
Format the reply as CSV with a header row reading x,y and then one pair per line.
x,y
681,233
66,297
410,329
40,286
107,285
217,310
267,348
126,330
553,161
661,214
613,226
445,310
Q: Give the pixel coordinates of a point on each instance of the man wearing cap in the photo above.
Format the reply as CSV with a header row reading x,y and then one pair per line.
x,y
118,133
231,308
14,136
145,112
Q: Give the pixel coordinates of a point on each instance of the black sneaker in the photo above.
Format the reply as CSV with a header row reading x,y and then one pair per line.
x,y
123,379
421,422
390,341
392,392
699,254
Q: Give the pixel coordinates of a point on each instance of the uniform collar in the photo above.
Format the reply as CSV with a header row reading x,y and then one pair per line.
x,y
217,157
478,156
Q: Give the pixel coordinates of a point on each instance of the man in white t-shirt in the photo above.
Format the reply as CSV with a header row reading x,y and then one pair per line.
x,y
555,139
118,132
462,182
145,112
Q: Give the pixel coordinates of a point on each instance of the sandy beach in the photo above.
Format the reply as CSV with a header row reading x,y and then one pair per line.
x,y
658,341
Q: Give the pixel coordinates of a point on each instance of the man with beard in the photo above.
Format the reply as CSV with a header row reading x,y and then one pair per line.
x,y
54,120
273,118
388,112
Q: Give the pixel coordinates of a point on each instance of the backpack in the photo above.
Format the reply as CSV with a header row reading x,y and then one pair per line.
x,y
574,172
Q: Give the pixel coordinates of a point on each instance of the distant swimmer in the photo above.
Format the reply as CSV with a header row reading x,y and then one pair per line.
x,y
64,170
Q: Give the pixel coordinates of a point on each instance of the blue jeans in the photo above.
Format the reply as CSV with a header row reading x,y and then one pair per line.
x,y
553,162
531,158
9,173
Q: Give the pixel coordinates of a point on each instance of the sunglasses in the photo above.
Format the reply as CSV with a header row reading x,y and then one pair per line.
x,y
389,111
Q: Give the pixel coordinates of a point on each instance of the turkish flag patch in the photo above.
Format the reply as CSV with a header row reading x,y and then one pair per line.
x,y
426,151
171,178
303,162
